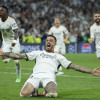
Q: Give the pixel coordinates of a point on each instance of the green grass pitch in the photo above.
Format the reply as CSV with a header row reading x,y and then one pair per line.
x,y
72,85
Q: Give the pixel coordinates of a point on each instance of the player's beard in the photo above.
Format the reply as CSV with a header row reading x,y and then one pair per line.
x,y
97,21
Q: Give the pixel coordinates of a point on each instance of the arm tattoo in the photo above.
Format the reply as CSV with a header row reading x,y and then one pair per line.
x,y
79,68
15,55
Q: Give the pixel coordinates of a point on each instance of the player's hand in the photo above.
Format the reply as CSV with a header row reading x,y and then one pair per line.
x,y
13,44
1,52
65,41
91,40
96,72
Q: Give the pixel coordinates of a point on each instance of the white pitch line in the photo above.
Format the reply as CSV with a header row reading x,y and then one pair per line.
x,y
14,68
14,73
57,75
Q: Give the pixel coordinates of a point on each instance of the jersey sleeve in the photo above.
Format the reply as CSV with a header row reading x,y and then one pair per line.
x,y
65,31
50,32
14,25
32,55
63,61
91,32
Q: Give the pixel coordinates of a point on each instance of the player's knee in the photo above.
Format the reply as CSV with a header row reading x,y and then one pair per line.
x,y
21,95
24,93
99,58
54,95
6,60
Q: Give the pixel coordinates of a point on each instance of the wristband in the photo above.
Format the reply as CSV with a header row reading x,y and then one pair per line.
x,y
14,41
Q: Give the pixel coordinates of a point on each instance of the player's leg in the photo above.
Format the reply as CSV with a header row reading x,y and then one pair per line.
x,y
6,48
57,50
27,90
98,54
30,87
16,49
50,87
98,58
62,51
18,70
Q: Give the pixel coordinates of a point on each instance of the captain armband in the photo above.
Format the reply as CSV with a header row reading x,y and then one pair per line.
x,y
27,57
68,66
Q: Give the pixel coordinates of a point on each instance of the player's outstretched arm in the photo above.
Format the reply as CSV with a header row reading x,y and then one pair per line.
x,y
13,55
84,70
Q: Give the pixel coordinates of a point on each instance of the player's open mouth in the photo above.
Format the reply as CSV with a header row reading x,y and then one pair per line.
x,y
98,20
48,45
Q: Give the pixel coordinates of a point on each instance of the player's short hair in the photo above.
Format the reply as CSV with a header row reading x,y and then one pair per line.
x,y
53,37
96,12
5,7
56,18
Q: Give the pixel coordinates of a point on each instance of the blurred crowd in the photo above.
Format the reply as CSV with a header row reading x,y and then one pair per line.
x,y
35,17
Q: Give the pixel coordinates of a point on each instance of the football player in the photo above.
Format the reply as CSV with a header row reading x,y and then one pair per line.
x,y
10,40
62,35
95,33
44,71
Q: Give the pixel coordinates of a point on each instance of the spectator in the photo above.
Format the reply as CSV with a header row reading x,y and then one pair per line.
x,y
39,14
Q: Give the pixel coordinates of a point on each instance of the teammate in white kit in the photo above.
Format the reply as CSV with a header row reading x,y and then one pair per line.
x,y
95,33
44,71
10,41
62,35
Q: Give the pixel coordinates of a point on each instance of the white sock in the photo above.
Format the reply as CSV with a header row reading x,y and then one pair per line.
x,y
18,69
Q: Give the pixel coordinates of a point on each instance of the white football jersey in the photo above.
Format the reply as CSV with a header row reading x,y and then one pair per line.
x,y
95,33
47,63
7,28
59,33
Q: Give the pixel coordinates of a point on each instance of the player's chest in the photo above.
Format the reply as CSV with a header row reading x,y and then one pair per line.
x,y
4,25
97,30
58,31
47,58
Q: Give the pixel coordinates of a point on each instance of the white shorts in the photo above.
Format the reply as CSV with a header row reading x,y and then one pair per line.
x,y
39,82
98,53
9,48
60,48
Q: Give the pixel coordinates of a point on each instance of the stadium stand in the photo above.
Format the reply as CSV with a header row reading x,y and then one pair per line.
x,y
37,16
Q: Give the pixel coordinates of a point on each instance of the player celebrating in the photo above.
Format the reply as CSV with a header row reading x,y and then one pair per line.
x,y
45,68
10,43
95,33
61,34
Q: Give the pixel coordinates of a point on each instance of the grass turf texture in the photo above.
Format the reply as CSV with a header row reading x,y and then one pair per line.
x,y
72,85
